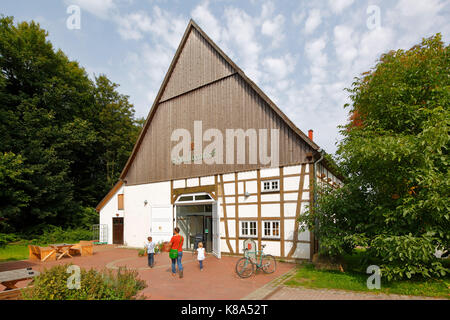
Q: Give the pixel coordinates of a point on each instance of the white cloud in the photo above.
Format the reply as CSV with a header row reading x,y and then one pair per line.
x,y
162,25
372,45
298,18
274,29
313,21
424,18
315,52
133,25
241,33
99,8
337,6
279,68
344,43
146,70
203,16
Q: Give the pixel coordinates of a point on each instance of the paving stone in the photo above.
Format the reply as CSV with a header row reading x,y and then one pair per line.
x,y
288,293
218,281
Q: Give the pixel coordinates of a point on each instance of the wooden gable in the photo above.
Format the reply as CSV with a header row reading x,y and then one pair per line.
x,y
203,84
198,65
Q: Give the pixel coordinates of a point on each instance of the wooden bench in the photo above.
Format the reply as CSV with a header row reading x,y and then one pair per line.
x,y
41,253
83,248
14,294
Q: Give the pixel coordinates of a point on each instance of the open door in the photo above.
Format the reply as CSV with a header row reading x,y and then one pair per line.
x,y
216,230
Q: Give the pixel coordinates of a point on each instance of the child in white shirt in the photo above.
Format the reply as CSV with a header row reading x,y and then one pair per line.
x,y
150,245
200,255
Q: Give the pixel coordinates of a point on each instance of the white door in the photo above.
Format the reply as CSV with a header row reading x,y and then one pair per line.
x,y
161,223
215,230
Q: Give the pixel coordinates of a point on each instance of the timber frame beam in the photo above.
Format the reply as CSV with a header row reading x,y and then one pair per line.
x,y
211,189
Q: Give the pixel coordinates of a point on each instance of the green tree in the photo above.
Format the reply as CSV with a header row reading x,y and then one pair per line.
x,y
63,128
13,182
118,131
395,201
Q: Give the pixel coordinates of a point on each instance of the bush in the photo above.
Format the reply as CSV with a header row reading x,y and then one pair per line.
x,y
54,234
85,218
95,285
47,235
159,247
7,238
407,256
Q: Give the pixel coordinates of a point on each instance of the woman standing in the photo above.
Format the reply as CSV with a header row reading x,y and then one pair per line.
x,y
176,252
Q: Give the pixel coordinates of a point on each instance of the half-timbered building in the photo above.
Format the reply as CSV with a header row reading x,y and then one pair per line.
x,y
221,202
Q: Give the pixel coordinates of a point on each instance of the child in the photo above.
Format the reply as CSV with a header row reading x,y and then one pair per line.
x,y
200,255
150,245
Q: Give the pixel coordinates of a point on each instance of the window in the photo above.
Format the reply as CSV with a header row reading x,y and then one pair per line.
x,y
120,202
201,197
272,229
271,185
186,198
249,229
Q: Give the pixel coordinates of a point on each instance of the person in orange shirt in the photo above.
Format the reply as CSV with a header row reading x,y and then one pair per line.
x,y
177,243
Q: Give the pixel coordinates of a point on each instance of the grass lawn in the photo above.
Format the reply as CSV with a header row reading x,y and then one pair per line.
x,y
13,252
19,251
307,276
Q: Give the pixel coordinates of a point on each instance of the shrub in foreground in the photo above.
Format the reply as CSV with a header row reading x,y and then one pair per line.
x,y
94,285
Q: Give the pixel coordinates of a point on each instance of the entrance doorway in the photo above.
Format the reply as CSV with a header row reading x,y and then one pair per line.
x,y
196,216
195,225
117,230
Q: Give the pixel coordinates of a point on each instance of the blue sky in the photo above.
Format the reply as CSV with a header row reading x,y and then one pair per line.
x,y
301,53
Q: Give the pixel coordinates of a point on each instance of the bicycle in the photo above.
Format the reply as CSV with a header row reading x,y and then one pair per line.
x,y
245,266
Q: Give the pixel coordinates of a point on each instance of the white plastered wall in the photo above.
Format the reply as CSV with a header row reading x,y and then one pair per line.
x,y
109,211
138,215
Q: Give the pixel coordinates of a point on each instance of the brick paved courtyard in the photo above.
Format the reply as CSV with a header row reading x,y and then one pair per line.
x,y
286,293
218,281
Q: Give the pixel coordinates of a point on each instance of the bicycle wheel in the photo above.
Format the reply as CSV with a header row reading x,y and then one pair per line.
x,y
244,268
268,264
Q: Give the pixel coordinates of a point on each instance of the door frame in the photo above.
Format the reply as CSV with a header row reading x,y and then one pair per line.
x,y
215,217
113,229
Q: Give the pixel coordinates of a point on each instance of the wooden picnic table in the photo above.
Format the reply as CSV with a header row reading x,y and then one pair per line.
x,y
10,278
62,249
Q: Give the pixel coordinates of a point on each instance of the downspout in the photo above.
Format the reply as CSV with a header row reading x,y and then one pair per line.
x,y
315,164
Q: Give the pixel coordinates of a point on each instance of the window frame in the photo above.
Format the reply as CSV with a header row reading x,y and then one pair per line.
x,y
121,201
271,229
248,228
271,182
181,198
